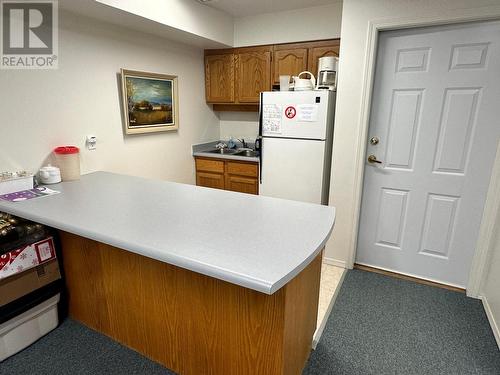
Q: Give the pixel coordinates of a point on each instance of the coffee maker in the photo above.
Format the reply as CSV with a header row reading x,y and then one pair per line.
x,y
327,73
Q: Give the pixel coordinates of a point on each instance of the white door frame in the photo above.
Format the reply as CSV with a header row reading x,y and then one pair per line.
x,y
492,201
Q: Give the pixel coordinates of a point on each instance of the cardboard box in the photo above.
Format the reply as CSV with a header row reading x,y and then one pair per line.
x,y
26,257
14,287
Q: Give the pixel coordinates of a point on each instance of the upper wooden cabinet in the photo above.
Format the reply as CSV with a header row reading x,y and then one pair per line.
x,y
288,61
219,78
235,77
253,74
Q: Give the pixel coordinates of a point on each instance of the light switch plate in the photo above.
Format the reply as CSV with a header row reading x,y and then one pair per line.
x,y
91,142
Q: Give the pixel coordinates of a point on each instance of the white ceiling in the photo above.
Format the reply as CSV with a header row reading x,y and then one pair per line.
x,y
243,8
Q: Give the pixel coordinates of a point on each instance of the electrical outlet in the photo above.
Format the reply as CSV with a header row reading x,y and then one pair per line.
x,y
91,142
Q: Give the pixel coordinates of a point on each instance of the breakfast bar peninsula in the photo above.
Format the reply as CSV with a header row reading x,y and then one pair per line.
x,y
203,281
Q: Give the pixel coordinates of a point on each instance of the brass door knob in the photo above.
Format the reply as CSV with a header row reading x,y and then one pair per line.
x,y
373,159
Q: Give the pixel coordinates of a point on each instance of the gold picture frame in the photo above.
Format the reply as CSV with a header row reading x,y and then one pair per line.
x,y
150,102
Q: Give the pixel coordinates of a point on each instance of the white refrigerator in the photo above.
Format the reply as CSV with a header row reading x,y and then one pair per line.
x,y
296,136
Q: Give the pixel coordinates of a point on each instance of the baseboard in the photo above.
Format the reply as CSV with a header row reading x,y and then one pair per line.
x,y
409,277
334,262
321,327
491,319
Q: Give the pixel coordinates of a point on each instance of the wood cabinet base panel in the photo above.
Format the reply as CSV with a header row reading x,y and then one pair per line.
x,y
190,323
236,107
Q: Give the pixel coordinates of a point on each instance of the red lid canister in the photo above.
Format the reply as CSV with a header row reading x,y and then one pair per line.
x,y
63,150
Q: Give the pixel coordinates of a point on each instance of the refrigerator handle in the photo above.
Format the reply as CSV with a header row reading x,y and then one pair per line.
x,y
258,141
260,114
258,147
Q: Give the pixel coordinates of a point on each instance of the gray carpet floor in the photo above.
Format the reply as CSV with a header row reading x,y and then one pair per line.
x,y
382,325
73,349
379,325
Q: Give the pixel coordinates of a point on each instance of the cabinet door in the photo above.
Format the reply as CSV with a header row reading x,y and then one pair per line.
x,y
209,165
253,74
289,62
242,169
242,184
211,180
219,78
316,52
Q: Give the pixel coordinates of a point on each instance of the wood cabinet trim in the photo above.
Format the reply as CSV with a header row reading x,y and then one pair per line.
x,y
264,48
223,51
235,107
226,160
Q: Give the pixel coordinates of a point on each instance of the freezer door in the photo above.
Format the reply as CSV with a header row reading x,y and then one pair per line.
x,y
292,169
295,114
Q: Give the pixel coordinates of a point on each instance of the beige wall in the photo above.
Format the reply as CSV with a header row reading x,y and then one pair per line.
x,y
349,131
43,109
239,125
314,23
491,285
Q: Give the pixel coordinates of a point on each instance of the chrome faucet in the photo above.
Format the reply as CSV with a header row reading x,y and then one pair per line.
x,y
242,141
220,145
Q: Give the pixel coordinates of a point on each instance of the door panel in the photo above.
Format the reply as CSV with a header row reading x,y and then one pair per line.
x,y
242,184
392,216
219,78
289,62
211,180
439,221
458,119
435,110
253,75
403,125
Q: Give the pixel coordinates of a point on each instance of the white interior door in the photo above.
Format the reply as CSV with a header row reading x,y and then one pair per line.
x,y
436,112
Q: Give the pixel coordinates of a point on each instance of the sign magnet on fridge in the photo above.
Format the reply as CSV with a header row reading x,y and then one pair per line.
x,y
290,112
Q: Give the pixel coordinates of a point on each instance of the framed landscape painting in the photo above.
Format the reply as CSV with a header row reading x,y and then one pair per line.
x,y
150,102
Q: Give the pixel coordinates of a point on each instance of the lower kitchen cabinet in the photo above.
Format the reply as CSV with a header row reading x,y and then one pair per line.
x,y
242,184
227,174
212,180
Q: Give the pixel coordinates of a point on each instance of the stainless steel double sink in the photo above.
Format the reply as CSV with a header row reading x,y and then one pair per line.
x,y
236,152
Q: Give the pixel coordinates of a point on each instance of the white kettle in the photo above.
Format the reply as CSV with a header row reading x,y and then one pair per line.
x,y
49,175
304,84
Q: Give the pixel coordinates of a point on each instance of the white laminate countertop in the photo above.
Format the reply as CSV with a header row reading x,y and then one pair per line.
x,y
257,242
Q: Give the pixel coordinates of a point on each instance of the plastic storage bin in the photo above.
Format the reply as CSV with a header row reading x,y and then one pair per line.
x,y
68,161
30,283
23,330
